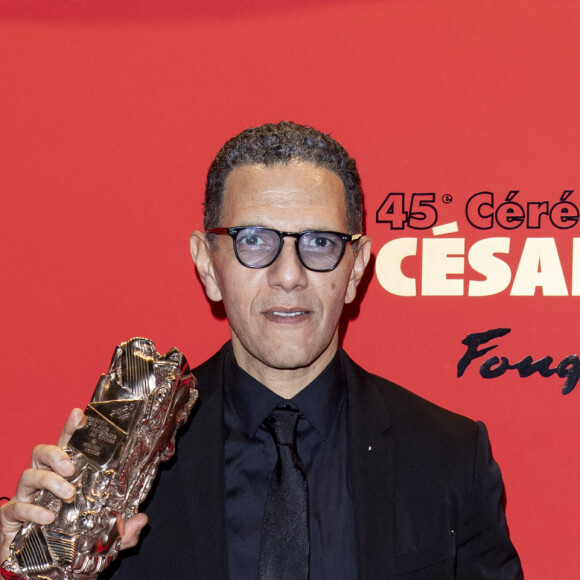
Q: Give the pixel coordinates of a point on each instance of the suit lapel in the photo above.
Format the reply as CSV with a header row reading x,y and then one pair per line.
x,y
372,463
202,475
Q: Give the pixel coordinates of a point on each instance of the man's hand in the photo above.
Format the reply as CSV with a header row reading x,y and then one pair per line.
x,y
49,467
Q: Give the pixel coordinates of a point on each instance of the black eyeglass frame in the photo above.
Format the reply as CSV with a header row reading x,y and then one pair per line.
x,y
234,231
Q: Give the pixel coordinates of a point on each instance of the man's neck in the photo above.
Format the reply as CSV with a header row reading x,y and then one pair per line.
x,y
285,382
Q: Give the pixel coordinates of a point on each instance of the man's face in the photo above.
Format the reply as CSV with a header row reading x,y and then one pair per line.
x,y
283,317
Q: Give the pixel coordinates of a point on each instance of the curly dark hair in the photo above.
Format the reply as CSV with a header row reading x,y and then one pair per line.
x,y
281,143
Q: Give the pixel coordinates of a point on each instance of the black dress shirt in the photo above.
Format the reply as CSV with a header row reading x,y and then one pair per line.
x,y
250,458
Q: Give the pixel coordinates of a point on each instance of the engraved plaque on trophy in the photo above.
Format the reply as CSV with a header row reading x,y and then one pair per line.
x,y
131,424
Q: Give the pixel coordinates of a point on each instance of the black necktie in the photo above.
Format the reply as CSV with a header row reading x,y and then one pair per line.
x,y
285,540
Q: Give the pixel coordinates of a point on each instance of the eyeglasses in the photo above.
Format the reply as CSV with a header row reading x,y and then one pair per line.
x,y
258,247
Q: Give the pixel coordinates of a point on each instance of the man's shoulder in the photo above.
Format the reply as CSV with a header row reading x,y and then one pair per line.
x,y
210,372
406,411
214,360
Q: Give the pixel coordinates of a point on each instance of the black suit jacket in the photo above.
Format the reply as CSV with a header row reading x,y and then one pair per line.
x,y
427,494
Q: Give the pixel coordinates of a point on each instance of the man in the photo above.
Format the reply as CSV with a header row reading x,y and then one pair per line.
x,y
373,482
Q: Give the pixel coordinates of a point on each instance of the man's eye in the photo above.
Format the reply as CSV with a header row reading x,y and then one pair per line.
x,y
253,240
320,242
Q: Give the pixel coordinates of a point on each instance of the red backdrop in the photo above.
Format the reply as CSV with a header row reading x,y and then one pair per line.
x,y
110,116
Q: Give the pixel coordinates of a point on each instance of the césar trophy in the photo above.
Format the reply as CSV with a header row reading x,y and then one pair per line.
x,y
131,424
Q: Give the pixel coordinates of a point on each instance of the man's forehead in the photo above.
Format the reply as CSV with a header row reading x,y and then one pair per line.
x,y
284,184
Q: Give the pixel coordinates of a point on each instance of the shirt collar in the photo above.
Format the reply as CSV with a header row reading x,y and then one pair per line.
x,y
252,401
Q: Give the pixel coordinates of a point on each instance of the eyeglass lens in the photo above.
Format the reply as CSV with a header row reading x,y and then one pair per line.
x,y
257,247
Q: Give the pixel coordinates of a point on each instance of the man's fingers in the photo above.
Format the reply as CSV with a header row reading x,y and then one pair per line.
x,y
51,457
132,529
12,515
15,513
33,480
75,420
49,466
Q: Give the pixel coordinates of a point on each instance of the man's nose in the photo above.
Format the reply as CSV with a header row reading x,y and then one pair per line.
x,y
287,272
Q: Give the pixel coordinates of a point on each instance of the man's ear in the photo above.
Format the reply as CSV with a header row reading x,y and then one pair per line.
x,y
202,258
361,259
